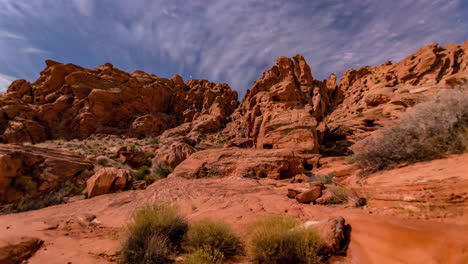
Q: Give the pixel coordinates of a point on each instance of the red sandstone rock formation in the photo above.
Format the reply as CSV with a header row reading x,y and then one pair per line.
x,y
25,171
280,109
68,101
370,96
106,180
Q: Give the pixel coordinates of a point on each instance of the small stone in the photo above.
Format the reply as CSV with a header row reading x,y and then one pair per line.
x,y
310,195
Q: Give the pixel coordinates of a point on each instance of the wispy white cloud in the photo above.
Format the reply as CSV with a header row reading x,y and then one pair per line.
x,y
224,40
6,34
5,81
85,7
34,50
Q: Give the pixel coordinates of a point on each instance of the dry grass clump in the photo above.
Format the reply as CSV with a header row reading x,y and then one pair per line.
x,y
155,233
340,195
214,240
279,239
205,256
323,178
430,130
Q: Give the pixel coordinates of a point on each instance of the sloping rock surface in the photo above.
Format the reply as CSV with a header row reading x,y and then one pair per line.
x,y
26,170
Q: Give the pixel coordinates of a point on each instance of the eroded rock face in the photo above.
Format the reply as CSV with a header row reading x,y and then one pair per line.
x,y
280,109
369,97
106,180
27,170
252,163
19,249
68,101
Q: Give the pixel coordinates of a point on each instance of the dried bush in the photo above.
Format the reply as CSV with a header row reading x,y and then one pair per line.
x,y
213,236
155,233
141,173
205,256
429,130
339,195
280,240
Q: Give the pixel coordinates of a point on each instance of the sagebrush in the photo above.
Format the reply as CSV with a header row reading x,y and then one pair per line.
x,y
429,130
280,239
213,236
154,234
205,256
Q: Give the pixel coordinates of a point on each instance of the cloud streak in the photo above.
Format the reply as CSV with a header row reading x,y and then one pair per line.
x,y
223,40
5,81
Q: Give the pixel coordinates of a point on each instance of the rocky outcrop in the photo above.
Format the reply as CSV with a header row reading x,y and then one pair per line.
x,y
280,110
132,157
17,250
68,101
252,163
370,97
27,170
106,180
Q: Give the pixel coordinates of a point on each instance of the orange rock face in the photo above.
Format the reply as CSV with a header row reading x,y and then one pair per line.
x,y
25,171
106,180
18,249
68,101
252,163
280,109
369,97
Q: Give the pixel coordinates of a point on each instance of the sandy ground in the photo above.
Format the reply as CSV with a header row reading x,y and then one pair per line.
x,y
380,233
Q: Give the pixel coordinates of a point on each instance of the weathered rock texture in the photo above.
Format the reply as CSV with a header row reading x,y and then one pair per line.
x,y
252,163
18,250
68,101
280,110
370,96
106,180
27,170
285,110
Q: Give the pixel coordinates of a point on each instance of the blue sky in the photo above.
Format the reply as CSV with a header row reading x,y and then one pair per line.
x,y
220,40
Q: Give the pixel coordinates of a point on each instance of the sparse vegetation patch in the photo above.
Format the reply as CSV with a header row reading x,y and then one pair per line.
x,y
279,239
155,233
430,130
215,237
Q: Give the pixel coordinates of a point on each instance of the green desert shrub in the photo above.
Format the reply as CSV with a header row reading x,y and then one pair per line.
x,y
153,235
162,171
205,256
141,173
213,236
279,239
102,161
429,130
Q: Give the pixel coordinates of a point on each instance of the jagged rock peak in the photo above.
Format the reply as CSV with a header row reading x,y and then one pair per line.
x,y
280,109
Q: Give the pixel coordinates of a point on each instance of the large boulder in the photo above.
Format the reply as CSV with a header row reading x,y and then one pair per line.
x,y
106,180
170,155
309,195
24,131
253,163
335,233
